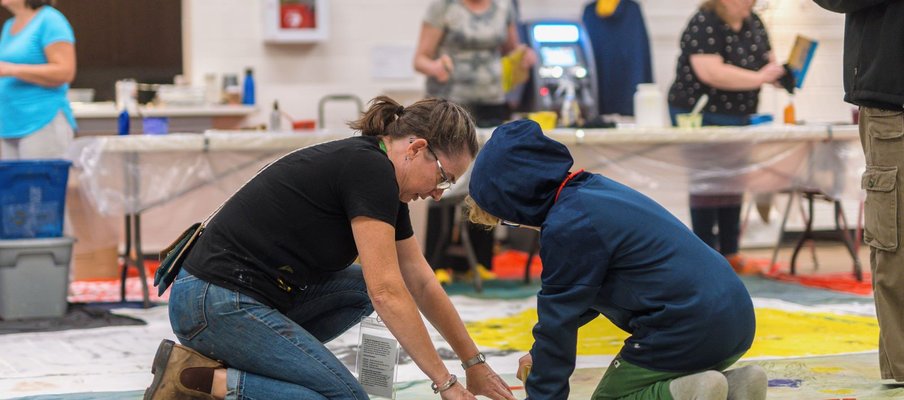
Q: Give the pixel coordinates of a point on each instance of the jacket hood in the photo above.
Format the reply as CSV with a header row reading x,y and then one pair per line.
x,y
517,173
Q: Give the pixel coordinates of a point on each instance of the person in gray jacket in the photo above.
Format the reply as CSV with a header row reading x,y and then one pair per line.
x,y
874,80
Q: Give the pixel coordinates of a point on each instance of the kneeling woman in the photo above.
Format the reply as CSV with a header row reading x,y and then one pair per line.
x,y
272,278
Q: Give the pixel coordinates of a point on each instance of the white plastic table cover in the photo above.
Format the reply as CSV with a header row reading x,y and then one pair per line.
x,y
669,163
131,174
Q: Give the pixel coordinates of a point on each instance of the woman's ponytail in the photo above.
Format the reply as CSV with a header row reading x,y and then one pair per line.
x,y
382,112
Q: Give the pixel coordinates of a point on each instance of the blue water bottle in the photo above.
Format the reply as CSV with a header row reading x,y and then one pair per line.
x,y
248,92
123,122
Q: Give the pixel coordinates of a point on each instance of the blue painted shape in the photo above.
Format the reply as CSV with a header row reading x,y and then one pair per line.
x,y
791,383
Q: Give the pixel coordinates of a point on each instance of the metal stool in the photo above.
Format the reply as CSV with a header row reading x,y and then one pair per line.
x,y
841,228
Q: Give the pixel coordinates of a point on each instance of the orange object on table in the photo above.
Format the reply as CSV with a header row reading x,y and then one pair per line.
x,y
790,118
304,124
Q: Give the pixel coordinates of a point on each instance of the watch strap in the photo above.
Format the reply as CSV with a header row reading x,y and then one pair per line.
x,y
478,359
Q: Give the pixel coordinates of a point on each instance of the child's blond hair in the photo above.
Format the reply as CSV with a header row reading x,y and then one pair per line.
x,y
478,216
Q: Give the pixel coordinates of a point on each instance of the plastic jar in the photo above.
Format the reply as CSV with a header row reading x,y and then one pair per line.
x,y
649,106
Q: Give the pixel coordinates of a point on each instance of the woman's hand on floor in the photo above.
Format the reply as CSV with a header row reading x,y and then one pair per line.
x,y
457,392
484,381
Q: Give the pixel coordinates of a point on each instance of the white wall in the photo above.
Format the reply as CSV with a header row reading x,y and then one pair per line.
x,y
225,36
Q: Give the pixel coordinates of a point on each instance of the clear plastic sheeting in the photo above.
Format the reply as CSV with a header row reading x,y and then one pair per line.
x,y
669,164
132,174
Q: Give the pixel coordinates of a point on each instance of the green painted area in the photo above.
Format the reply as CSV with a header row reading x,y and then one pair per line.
x,y
757,286
496,289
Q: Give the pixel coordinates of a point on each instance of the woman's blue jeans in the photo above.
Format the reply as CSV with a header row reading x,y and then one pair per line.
x,y
269,354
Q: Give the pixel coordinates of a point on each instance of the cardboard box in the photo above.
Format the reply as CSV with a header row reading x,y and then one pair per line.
x,y
96,250
98,264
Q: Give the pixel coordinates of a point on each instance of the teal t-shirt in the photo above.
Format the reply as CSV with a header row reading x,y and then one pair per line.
x,y
26,107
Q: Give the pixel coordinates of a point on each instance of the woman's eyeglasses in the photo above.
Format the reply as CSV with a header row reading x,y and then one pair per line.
x,y
445,184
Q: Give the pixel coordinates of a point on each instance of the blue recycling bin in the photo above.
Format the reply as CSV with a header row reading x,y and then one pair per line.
x,y
32,198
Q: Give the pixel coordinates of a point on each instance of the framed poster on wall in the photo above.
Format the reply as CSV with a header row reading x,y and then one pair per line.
x,y
295,21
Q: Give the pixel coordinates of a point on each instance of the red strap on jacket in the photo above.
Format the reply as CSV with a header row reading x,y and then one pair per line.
x,y
562,186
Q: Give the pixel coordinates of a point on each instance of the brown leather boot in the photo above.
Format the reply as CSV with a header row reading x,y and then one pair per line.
x,y
170,361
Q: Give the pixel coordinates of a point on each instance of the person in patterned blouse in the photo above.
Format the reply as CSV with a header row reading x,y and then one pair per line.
x,y
460,48
459,51
725,54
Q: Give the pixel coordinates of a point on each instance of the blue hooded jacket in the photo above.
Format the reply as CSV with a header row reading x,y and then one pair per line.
x,y
608,249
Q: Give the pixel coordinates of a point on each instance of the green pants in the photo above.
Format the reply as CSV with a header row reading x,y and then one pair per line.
x,y
624,380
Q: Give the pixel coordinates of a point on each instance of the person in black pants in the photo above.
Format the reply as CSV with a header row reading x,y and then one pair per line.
x,y
726,55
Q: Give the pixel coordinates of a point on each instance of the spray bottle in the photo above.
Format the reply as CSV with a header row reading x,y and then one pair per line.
x,y
275,118
570,114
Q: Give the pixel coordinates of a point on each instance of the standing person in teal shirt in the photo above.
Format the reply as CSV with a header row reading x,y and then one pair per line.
x,y
37,63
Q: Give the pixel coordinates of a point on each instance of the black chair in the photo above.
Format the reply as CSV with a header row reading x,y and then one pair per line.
x,y
454,222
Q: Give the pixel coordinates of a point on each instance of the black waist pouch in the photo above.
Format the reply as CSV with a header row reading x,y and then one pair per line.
x,y
174,255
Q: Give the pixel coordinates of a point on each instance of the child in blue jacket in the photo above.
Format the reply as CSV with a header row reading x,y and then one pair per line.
x,y
609,250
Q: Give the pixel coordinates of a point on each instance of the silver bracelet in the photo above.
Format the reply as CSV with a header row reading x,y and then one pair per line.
x,y
445,386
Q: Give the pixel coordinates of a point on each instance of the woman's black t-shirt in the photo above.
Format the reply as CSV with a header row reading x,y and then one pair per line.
x,y
291,224
748,48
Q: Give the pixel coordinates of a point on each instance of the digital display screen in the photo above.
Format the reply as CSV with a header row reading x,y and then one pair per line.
x,y
558,56
556,33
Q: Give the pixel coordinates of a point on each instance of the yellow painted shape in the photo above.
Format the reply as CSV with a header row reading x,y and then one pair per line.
x,y
837,391
779,333
784,333
826,370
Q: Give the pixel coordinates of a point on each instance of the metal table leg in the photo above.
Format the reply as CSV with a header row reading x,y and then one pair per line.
x,y
133,233
133,237
841,227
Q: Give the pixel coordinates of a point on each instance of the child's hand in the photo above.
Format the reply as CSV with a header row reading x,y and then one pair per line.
x,y
524,365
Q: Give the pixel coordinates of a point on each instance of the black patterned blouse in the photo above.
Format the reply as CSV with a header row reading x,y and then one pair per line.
x,y
748,48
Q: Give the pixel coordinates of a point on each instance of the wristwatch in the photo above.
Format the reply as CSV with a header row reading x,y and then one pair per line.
x,y
478,359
